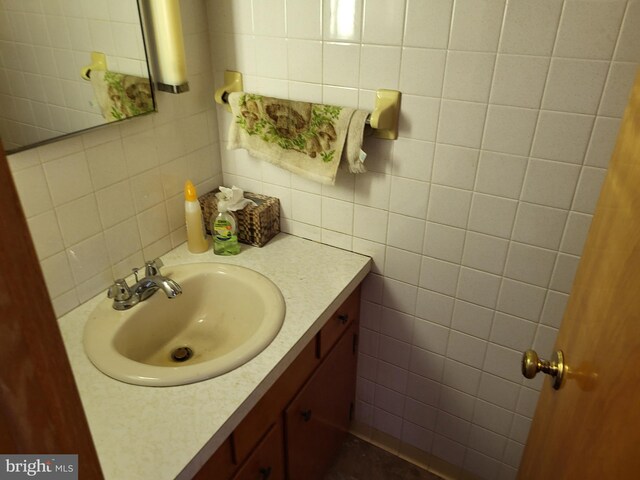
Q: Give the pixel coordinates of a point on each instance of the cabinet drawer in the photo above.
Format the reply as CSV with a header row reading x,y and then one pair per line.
x,y
267,460
220,465
339,322
319,417
269,409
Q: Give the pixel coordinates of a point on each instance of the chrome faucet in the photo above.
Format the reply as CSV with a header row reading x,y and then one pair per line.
x,y
125,297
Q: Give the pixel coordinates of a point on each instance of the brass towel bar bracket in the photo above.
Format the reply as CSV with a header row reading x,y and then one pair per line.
x,y
383,120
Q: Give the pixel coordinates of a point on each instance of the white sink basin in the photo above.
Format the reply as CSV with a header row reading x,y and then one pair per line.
x,y
225,316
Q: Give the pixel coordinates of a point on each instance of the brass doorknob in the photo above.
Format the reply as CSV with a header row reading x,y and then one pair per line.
x,y
532,364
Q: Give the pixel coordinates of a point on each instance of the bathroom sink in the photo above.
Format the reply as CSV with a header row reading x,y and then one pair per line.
x,y
225,316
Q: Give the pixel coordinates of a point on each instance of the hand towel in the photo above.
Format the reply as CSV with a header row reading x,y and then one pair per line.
x,y
304,138
120,96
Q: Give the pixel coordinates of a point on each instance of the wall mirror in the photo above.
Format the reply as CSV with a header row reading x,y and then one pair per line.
x,y
45,48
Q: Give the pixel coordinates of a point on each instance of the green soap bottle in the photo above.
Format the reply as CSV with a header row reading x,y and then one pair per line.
x,y
224,230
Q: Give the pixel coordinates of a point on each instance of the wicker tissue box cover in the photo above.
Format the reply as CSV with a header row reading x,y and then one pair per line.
x,y
256,225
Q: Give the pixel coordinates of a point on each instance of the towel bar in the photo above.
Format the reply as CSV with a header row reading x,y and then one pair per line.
x,y
383,120
98,62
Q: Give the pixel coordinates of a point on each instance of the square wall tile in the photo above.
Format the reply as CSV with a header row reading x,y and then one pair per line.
x,y
337,215
509,129
439,276
45,234
486,442
478,287
405,232
500,174
423,389
340,64
540,226
449,206
505,363
564,94
460,376
468,76
530,27
468,350
419,117
521,299
443,242
371,249
372,189
513,332
379,67
306,207
31,184
269,18
476,25
412,159
461,123
530,264
428,23
472,319
402,265
480,464
429,365
304,19
577,37
409,197
341,21
305,60
396,324
383,22
452,427
562,136
68,178
550,183
519,80
271,58
498,391
455,166
370,223
492,215
434,307
429,336
564,272
399,295
484,252
78,220
422,71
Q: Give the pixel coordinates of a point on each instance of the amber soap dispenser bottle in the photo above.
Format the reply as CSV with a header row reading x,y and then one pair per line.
x,y
196,238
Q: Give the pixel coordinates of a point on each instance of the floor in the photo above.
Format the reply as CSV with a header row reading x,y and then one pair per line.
x,y
359,460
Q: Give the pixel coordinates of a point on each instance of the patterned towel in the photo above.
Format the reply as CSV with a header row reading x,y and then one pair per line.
x,y
305,138
121,96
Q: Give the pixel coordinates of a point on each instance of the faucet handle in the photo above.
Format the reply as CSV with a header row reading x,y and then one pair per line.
x,y
152,267
119,291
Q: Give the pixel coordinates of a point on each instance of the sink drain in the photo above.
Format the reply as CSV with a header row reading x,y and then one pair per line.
x,y
181,354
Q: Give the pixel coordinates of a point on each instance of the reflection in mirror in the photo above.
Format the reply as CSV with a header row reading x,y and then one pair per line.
x,y
45,46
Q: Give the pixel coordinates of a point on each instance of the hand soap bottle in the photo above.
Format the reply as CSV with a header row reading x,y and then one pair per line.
x,y
196,239
224,230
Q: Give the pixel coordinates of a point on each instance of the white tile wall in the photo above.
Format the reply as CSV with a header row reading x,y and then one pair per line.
x,y
43,47
102,202
476,216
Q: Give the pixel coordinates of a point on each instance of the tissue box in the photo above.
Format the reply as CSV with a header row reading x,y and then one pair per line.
x,y
256,225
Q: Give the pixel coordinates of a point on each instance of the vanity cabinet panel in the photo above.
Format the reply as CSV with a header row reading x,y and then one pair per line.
x,y
339,322
269,408
313,397
220,465
318,418
267,460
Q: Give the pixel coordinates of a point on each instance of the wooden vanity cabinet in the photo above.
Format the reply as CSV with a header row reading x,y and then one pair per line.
x,y
294,430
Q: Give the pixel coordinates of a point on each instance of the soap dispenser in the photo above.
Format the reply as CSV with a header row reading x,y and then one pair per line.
x,y
224,229
196,239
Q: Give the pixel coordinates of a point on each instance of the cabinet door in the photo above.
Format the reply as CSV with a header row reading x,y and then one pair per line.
x,y
267,460
318,418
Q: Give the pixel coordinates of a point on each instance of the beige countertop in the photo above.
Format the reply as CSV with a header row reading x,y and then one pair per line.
x,y
169,432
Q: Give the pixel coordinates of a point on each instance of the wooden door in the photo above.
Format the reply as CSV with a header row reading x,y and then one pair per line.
x,y
40,409
318,419
590,427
